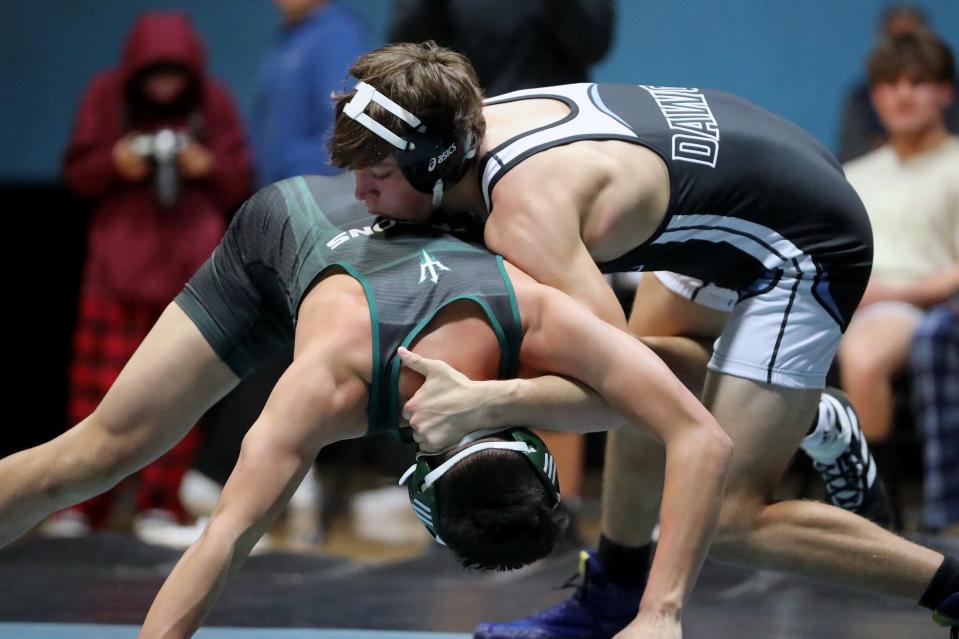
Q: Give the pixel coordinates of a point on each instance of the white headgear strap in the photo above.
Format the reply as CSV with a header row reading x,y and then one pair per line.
x,y
356,109
433,476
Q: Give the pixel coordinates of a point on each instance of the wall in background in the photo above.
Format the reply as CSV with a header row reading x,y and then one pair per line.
x,y
794,57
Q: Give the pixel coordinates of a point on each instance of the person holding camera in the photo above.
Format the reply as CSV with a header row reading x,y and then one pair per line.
x,y
159,152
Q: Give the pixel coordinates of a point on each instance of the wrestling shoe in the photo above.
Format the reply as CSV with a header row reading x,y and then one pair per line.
x,y
597,610
841,455
947,614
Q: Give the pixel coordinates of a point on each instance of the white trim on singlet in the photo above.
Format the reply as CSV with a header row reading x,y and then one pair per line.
x,y
764,244
776,253
588,119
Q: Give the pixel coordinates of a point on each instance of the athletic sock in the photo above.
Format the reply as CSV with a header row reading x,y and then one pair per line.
x,y
624,565
943,584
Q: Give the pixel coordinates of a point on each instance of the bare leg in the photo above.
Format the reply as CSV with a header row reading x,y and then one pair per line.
x,y
766,425
874,349
171,380
633,472
807,538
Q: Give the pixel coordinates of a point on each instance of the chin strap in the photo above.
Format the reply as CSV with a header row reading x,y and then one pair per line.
x,y
439,187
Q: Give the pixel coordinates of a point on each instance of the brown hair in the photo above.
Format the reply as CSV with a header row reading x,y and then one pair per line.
x,y
898,19
920,53
495,513
417,77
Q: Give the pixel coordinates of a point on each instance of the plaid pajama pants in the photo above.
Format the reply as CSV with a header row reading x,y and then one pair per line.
x,y
107,334
934,365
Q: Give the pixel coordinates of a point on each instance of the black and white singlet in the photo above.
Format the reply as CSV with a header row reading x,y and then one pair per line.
x,y
757,206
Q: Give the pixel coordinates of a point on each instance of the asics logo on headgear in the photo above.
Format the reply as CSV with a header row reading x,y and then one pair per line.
x,y
442,157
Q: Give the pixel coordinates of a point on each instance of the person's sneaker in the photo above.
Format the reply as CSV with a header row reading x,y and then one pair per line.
x,y
199,494
842,457
161,528
597,610
67,523
947,614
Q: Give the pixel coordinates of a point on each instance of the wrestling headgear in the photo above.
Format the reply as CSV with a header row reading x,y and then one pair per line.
x,y
422,479
430,155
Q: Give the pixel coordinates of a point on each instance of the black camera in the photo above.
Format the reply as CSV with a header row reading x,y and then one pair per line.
x,y
162,147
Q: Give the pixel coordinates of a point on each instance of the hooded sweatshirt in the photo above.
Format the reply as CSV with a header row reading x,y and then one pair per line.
x,y
138,251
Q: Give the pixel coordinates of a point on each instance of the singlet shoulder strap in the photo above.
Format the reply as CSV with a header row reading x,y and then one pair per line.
x,y
588,119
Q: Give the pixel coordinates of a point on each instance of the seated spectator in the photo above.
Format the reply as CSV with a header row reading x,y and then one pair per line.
x,y
934,367
860,130
911,192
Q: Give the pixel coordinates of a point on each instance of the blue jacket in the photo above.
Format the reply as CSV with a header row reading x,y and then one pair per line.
x,y
292,113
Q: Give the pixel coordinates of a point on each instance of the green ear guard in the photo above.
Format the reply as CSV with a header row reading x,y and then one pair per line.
x,y
421,479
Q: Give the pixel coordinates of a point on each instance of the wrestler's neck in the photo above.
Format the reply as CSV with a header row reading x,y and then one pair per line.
x,y
466,195
910,144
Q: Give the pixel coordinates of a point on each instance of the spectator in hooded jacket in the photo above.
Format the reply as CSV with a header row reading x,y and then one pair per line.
x,y
159,150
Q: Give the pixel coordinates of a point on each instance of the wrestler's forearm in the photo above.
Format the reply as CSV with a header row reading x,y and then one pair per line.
x,y
550,402
259,487
696,467
191,589
276,454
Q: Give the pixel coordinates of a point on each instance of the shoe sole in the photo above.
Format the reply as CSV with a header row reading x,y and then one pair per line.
x,y
943,620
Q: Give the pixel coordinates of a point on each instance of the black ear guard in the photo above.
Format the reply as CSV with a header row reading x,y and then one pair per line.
x,y
421,478
429,153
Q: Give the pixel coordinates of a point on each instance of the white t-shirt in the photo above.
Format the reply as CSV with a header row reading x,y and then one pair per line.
x,y
913,206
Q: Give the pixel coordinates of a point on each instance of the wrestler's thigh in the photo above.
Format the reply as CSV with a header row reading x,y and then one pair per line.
x,y
166,386
657,310
766,424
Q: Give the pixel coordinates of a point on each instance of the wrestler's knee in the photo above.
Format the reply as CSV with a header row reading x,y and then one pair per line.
x,y
739,519
112,449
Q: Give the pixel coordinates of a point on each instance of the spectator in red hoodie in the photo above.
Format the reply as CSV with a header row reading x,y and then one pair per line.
x,y
159,150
